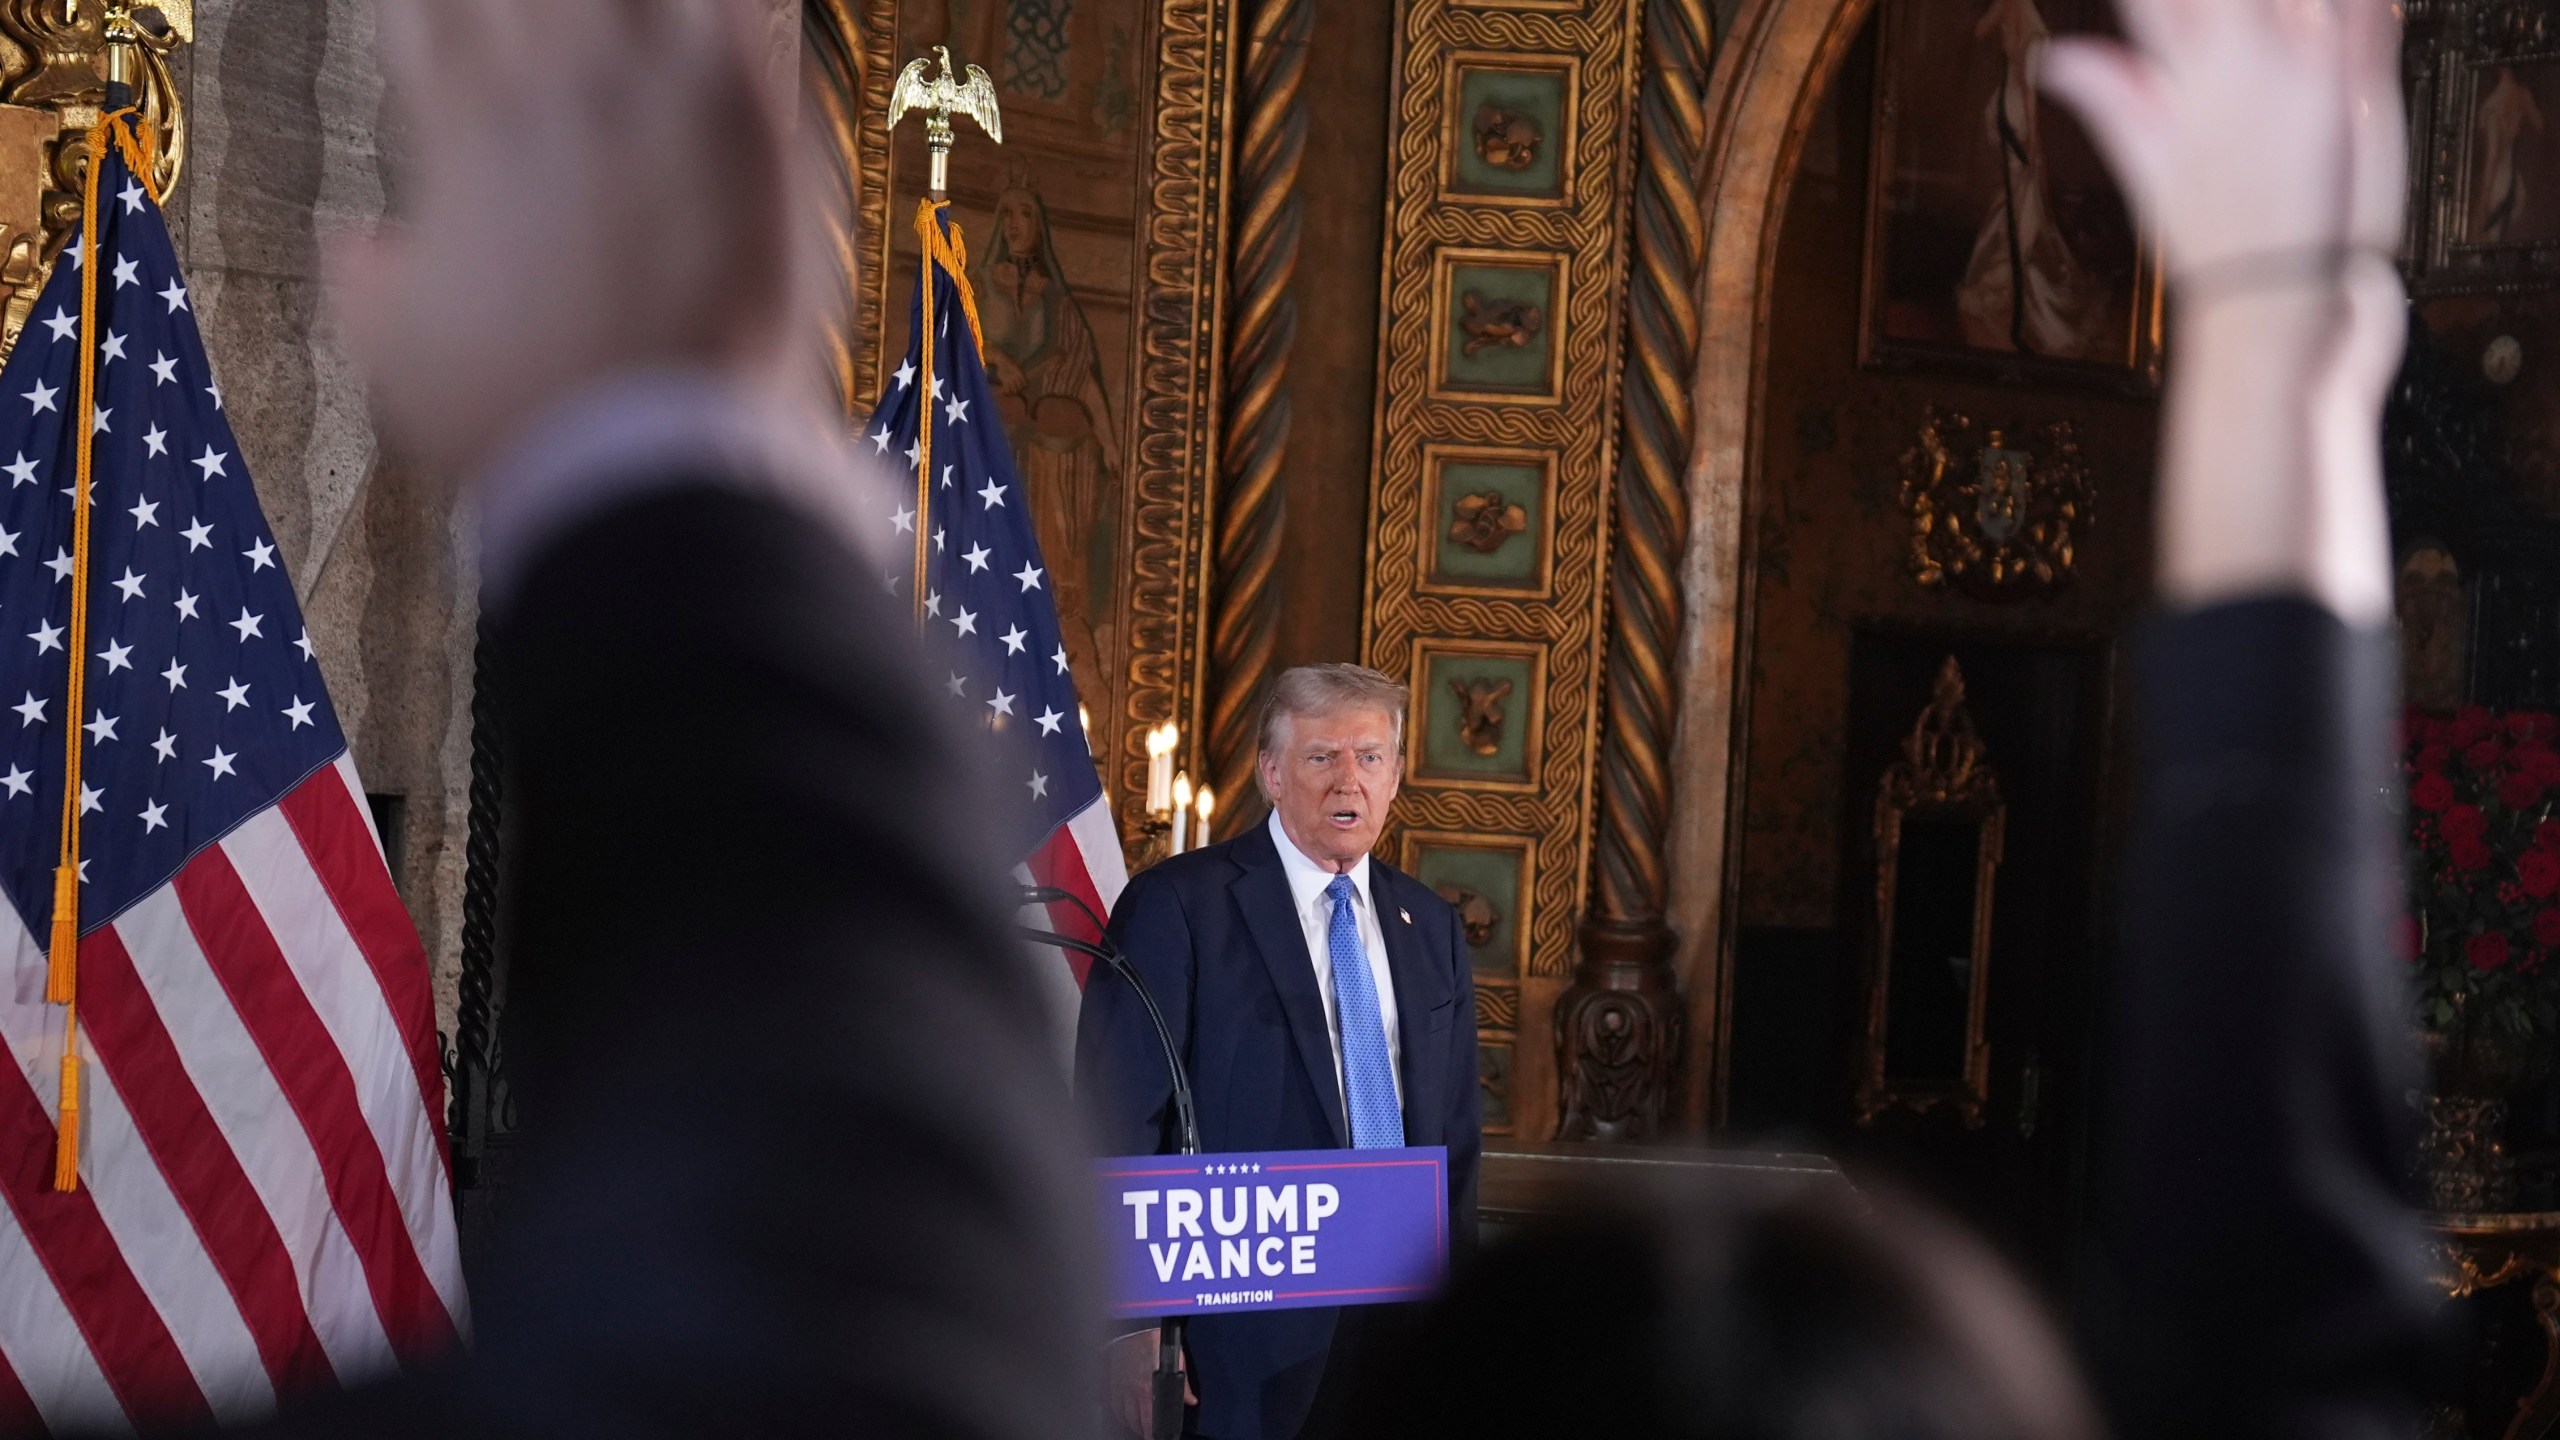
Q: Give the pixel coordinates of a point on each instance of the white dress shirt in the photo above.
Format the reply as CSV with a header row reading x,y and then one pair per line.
x,y
1307,883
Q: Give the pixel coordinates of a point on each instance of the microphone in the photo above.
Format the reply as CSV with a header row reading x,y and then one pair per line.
x,y
1186,1114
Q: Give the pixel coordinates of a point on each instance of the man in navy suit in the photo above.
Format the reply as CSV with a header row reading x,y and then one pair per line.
x,y
1322,1000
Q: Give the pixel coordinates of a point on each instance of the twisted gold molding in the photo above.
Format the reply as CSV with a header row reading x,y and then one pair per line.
x,y
1179,303
1614,1087
1250,503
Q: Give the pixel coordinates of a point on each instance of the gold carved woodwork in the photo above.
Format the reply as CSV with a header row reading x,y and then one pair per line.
x,y
55,59
1501,330
1989,515
1172,410
1943,772
1485,522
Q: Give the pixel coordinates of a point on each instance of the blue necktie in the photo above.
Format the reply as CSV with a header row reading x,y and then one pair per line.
x,y
1368,1077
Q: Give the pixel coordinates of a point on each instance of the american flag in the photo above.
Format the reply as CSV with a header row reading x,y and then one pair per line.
x,y
262,1206
989,611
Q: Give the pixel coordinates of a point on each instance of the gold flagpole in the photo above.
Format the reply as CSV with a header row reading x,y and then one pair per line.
x,y
969,93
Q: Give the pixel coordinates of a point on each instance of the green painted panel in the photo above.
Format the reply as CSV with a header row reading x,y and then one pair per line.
x,y
1491,517
1493,1077
1501,323
1485,886
1514,132
1489,738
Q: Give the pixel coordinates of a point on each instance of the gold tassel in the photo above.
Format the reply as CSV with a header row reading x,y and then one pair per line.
x,y
66,1138
59,967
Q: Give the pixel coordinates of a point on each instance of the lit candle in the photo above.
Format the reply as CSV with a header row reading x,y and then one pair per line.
x,y
1207,803
1159,770
1181,811
1084,724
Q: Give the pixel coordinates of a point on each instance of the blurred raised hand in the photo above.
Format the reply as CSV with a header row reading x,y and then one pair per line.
x,y
2264,142
589,189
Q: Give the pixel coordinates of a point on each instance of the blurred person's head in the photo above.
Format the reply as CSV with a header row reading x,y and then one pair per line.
x,y
1821,1315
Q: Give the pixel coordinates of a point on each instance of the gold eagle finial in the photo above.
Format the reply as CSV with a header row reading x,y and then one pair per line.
x,y
955,91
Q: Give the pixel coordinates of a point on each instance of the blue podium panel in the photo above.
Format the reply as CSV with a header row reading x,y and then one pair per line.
x,y
1210,1234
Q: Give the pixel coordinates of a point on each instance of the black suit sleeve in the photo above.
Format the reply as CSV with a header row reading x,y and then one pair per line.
x,y
1121,1079
2263,1265
1466,1098
797,1157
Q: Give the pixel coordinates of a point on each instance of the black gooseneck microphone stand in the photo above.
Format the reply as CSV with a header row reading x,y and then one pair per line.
x,y
1168,1374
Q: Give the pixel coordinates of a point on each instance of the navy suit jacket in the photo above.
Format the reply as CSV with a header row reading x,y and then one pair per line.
x,y
1217,936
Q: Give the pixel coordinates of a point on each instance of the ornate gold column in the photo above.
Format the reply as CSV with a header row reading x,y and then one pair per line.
x,y
1250,509
1620,1029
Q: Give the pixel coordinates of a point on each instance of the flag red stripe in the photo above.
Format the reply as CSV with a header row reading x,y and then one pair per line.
x,y
197,1161
340,846
315,1079
1060,862
19,1417
124,1331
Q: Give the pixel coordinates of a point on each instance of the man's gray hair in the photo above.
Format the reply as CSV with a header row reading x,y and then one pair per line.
x,y
1329,690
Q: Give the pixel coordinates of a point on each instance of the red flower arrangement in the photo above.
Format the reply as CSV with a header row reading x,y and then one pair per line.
x,y
2484,870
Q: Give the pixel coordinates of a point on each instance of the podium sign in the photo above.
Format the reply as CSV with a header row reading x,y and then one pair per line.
x,y
1283,1230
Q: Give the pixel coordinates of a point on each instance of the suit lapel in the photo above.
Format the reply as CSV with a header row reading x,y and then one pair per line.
x,y
1418,987
1271,915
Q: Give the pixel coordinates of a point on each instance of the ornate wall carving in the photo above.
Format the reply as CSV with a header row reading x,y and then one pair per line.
x,y
1133,92
1499,365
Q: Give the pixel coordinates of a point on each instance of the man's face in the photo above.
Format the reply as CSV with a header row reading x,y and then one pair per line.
x,y
1332,778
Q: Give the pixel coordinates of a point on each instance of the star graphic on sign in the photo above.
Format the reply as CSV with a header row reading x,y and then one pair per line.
x,y
199,535
102,729
303,643
156,440
16,781
131,584
955,412
186,605
176,295
46,636
164,371
212,461
128,272
118,657
61,564
1002,704
1013,639
22,471
880,440
145,512
906,373
299,712
1060,659
959,684
166,746
41,397
30,710
233,697
155,816
90,796
259,556
131,195
220,764
1048,720
247,625
176,675
966,623
904,520
1029,575
112,351
993,494
976,555
1039,785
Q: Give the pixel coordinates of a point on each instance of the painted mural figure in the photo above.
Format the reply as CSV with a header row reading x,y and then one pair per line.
x,y
2024,289
1048,378
2506,113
